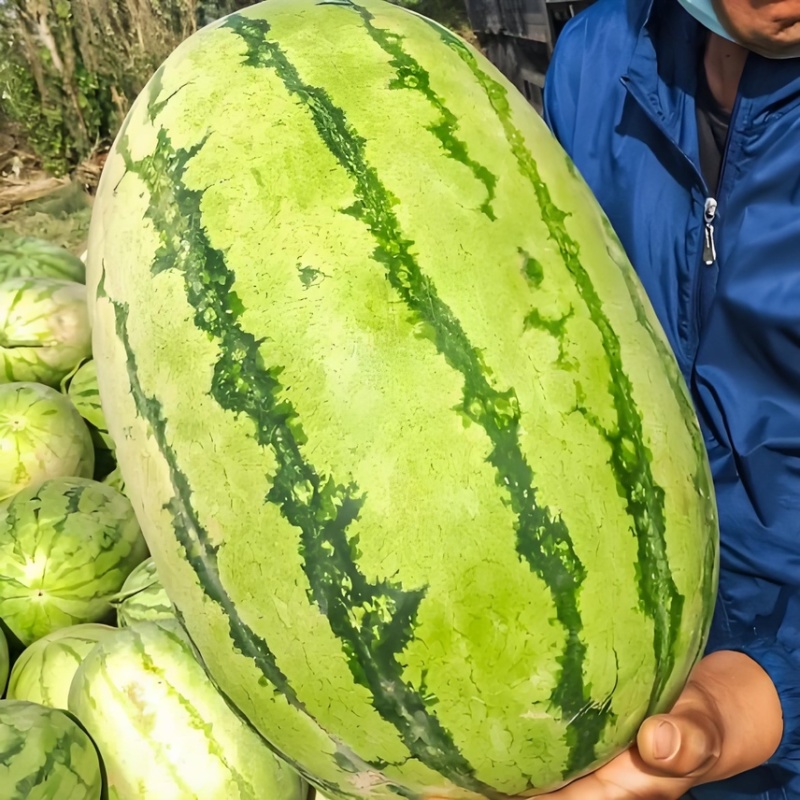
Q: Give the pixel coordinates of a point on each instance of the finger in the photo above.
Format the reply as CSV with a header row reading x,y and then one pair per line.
x,y
685,743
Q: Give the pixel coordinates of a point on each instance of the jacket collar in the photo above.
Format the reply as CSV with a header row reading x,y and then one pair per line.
x,y
662,74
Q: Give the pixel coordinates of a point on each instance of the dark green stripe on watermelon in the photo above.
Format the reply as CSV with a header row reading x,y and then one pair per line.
x,y
630,457
701,476
202,555
542,538
413,76
56,759
321,508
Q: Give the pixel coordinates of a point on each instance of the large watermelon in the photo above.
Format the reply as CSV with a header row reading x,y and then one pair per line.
x,y
408,446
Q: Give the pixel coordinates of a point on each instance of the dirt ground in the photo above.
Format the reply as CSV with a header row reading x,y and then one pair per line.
x,y
35,203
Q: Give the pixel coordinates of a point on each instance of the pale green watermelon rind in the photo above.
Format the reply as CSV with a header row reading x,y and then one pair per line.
x,y
162,728
42,436
45,754
315,495
44,671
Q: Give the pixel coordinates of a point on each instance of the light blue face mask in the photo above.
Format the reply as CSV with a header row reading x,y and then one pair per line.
x,y
703,12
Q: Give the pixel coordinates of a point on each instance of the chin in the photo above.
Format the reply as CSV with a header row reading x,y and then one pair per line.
x,y
775,47
768,27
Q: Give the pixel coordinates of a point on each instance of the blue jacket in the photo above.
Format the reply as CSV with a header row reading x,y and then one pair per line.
x,y
620,97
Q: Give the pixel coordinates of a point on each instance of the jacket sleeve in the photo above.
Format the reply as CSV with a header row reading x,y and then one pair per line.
x,y
779,656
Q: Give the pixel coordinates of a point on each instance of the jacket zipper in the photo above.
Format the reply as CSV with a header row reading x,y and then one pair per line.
x,y
712,203
710,239
709,245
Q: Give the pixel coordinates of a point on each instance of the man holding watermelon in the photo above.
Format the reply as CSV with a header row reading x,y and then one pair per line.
x,y
687,128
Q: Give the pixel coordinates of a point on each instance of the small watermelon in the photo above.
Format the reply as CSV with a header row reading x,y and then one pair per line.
x,y
44,329
42,436
66,547
44,671
45,755
81,388
163,729
30,257
142,597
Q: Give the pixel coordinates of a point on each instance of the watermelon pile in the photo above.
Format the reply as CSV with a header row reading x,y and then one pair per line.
x,y
395,489
74,569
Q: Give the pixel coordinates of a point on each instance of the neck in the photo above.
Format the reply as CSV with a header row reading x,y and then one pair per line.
x,y
724,63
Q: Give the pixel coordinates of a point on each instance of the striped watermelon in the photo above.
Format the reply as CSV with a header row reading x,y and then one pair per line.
x,y
30,257
42,436
164,731
142,597
81,388
44,671
45,755
44,329
395,416
66,547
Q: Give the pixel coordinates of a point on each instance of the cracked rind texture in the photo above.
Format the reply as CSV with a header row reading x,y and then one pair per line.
x,y
396,418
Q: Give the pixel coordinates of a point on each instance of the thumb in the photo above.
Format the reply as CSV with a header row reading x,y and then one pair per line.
x,y
685,743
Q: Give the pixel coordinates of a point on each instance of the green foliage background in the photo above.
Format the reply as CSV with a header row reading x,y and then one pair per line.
x,y
69,69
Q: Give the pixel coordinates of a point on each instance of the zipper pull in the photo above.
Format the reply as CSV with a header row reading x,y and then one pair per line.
x,y
709,246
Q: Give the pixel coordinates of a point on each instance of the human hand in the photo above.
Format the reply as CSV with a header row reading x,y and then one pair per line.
x,y
727,720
